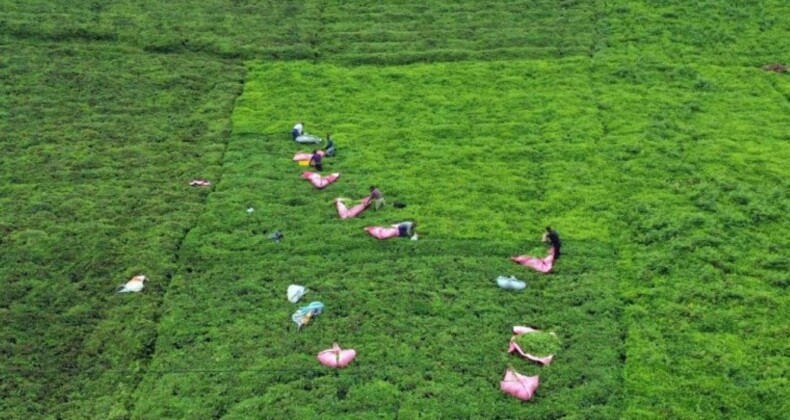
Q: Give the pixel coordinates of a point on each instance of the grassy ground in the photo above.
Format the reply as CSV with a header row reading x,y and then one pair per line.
x,y
646,133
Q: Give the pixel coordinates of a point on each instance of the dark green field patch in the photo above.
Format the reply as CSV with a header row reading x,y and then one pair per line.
x,y
704,202
348,32
710,32
95,166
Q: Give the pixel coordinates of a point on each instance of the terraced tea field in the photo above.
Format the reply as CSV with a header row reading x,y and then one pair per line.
x,y
649,135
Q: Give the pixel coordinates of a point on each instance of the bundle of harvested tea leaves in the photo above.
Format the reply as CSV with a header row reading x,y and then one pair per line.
x,y
538,343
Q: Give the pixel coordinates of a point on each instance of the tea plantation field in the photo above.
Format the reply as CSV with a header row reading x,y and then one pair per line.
x,y
647,133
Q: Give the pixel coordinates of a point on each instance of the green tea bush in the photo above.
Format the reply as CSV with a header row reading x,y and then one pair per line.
x,y
86,210
430,303
540,344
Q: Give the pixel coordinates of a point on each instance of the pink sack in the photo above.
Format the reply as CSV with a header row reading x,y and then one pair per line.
x,y
518,385
543,265
318,181
515,348
336,357
379,232
346,213
306,156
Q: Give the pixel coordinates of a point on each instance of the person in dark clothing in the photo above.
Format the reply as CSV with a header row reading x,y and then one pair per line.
x,y
316,160
407,229
553,238
330,146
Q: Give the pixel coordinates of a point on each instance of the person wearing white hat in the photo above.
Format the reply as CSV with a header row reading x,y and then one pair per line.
x,y
298,130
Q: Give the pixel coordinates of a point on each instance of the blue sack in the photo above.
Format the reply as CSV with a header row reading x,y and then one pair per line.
x,y
304,314
510,283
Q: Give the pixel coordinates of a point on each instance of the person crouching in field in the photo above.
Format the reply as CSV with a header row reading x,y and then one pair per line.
x,y
317,160
298,130
377,196
407,229
553,238
330,146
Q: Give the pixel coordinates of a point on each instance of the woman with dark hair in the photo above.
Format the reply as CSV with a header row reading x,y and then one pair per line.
x,y
553,238
316,160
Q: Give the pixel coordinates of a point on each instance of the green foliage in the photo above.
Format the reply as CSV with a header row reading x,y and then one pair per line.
x,y
426,315
338,31
539,344
100,146
705,225
646,132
